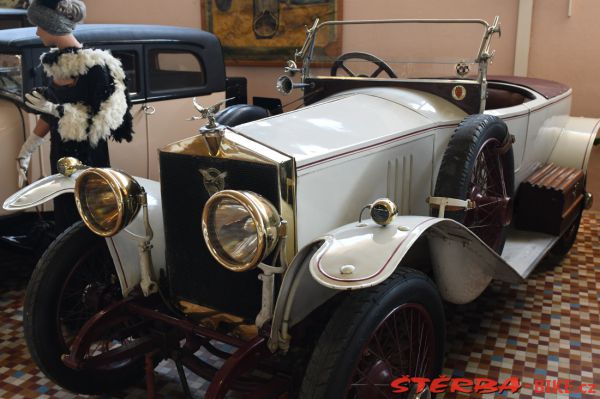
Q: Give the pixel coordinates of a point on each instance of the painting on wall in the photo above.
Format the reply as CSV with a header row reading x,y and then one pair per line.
x,y
267,32
14,3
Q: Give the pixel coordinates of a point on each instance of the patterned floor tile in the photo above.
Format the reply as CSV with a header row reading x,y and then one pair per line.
x,y
546,329
543,330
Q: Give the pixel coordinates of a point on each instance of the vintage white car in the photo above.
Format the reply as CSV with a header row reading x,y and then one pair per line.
x,y
320,244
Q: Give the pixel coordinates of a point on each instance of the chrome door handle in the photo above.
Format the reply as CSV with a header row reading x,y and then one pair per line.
x,y
149,109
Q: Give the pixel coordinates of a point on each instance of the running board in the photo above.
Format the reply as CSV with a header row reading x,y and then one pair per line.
x,y
525,249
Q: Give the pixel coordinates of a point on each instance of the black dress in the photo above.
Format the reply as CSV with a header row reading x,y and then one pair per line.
x,y
65,210
92,91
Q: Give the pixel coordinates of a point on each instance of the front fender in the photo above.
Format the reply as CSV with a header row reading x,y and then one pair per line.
x,y
358,256
123,247
361,255
40,192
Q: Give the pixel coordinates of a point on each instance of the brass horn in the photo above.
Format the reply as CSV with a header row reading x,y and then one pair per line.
x,y
285,85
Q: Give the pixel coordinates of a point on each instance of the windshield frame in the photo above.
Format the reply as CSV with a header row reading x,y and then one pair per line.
x,y
484,55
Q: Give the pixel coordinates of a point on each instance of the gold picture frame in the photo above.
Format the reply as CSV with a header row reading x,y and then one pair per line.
x,y
267,32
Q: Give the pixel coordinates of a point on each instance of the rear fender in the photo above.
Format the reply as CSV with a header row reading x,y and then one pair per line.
x,y
123,246
574,145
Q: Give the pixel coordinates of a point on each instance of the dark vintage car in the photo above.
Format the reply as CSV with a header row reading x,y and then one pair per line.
x,y
165,67
312,251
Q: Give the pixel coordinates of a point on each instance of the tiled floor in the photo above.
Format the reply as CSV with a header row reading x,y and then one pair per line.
x,y
545,329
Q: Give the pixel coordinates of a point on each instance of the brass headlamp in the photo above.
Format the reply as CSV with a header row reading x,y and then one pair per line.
x,y
107,200
240,228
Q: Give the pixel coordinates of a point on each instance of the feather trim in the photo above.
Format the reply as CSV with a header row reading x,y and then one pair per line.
x,y
70,63
110,116
112,111
73,124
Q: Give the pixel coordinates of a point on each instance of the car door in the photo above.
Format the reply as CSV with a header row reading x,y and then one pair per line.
x,y
133,156
175,73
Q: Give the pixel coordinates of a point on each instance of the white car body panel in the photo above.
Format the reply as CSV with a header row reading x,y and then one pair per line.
x,y
536,125
547,119
402,172
337,126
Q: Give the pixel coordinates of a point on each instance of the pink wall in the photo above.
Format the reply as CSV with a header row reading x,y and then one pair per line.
x,y
567,49
261,81
160,12
562,48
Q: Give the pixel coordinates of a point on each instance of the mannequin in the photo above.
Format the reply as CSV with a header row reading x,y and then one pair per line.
x,y
85,104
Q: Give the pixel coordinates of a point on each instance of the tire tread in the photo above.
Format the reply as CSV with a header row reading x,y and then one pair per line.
x,y
456,167
36,328
334,341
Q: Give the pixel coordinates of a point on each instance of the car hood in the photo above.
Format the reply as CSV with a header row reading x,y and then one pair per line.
x,y
351,121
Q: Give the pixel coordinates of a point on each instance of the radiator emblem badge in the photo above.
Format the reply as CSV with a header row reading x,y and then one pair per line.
x,y
214,180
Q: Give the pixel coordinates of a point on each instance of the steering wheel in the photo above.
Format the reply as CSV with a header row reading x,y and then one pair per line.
x,y
381,65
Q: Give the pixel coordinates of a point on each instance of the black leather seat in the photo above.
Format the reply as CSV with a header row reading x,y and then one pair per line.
x,y
239,114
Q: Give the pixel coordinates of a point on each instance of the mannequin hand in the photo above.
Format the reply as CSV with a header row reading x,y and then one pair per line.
x,y
24,158
38,102
22,166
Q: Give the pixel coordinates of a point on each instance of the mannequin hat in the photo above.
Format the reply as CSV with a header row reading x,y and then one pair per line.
x,y
57,17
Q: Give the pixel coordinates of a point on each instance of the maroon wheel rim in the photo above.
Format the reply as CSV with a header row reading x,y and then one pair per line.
x,y
489,194
403,344
91,285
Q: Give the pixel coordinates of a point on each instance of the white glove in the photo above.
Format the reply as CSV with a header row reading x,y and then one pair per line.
x,y
38,102
24,158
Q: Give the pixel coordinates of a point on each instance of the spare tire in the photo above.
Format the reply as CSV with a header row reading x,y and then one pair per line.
x,y
478,165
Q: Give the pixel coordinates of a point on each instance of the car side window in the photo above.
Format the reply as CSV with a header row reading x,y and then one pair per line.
x,y
130,61
11,78
173,70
